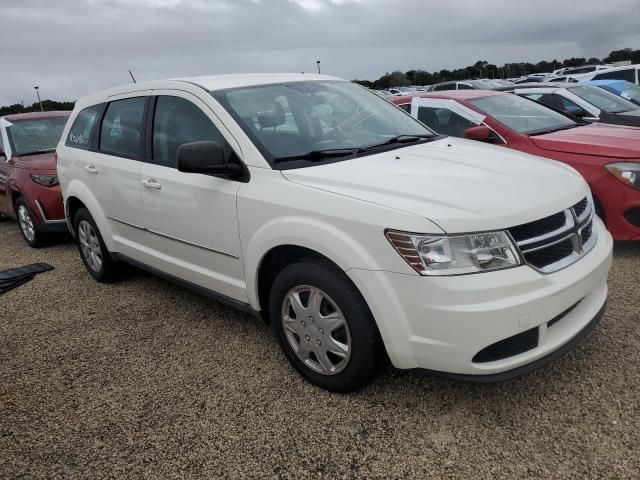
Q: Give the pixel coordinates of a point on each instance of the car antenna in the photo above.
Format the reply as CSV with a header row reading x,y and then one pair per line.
x,y
132,77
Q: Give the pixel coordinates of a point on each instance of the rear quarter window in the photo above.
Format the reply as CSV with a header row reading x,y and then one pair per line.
x,y
80,132
82,128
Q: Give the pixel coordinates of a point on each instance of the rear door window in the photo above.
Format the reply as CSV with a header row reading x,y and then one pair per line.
x,y
80,133
121,130
177,121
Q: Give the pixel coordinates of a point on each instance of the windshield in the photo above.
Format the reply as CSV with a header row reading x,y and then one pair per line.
x,y
306,121
606,101
522,115
27,137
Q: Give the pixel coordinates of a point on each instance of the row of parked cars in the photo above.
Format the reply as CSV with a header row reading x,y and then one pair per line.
x,y
363,233
629,73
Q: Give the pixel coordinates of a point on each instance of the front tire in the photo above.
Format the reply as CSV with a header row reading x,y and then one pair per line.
x,y
28,229
324,326
94,253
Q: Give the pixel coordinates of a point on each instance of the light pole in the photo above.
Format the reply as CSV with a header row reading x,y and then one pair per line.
x,y
318,62
37,89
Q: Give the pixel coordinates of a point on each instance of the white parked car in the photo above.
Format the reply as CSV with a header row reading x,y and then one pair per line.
x,y
582,100
356,231
630,73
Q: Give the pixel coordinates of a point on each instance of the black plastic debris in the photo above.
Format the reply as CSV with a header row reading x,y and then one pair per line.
x,y
15,277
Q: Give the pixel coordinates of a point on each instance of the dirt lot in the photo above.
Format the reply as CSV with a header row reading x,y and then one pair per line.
x,y
143,379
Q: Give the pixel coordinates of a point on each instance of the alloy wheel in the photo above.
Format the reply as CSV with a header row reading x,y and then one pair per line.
x,y
316,330
26,223
90,245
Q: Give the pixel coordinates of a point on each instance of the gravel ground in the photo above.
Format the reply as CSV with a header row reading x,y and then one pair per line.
x,y
143,379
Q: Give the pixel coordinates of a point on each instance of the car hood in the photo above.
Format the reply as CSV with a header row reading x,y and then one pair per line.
x,y
601,140
41,162
461,185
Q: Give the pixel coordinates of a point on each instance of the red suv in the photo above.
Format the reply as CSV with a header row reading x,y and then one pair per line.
x,y
607,156
29,190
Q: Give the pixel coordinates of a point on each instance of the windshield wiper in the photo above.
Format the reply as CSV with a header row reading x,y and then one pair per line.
x,y
36,152
318,155
551,130
401,139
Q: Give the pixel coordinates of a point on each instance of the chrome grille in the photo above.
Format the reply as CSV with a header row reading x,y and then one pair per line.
x,y
557,241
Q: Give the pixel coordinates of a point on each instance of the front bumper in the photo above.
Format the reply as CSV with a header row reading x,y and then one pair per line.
x,y
442,323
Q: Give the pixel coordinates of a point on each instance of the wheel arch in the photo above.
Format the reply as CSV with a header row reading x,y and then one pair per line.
x,y
77,196
296,236
16,192
274,261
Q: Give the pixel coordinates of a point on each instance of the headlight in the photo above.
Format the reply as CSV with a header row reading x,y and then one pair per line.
x,y
45,180
456,254
628,173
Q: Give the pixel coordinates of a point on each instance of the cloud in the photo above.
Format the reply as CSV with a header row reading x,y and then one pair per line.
x,y
71,48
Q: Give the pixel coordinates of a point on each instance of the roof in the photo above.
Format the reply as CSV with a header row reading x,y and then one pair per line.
x,y
208,83
16,117
615,69
220,82
518,86
454,94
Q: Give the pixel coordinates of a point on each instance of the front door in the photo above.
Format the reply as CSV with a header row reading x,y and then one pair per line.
x,y
191,219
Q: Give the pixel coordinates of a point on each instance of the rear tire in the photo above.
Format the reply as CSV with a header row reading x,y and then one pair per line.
x,y
28,229
324,326
94,253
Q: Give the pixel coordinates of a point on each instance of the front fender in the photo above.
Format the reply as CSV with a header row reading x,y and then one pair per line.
x,y
321,237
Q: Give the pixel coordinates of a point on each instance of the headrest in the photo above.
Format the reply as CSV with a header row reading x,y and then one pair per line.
x,y
129,119
274,118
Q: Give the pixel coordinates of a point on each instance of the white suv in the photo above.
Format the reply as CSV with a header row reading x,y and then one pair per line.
x,y
357,232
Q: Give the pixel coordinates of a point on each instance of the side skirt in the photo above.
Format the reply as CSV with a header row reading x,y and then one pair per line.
x,y
218,297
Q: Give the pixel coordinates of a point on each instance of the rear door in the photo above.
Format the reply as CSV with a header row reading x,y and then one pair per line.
x,y
110,167
191,218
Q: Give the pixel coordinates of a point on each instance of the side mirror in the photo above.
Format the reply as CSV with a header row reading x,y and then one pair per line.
x,y
207,158
481,133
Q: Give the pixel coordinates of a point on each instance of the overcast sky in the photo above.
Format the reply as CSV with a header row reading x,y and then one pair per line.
x,y
70,48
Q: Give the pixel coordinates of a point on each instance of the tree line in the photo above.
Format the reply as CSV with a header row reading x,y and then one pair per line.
x,y
480,69
47,106
484,69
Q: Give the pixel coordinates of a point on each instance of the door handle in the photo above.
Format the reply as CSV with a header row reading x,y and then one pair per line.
x,y
151,183
91,169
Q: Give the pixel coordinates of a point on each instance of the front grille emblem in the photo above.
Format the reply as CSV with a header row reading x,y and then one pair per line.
x,y
551,244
